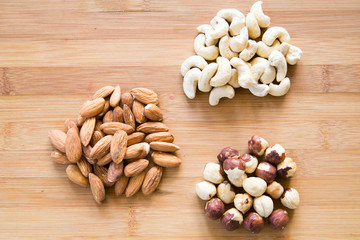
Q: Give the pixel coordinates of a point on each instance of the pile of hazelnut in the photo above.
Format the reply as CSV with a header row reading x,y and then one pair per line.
x,y
239,189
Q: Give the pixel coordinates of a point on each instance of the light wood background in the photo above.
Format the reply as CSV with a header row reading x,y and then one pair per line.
x,y
55,54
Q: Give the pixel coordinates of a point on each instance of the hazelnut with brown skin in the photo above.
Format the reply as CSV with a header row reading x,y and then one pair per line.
x,y
250,161
290,198
234,169
226,192
232,219
253,222
286,168
257,145
275,154
278,219
275,190
214,208
243,202
226,153
266,171
213,173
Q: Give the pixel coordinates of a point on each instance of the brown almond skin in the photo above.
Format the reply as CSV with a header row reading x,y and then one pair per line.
x,y
129,118
253,222
126,99
112,127
104,160
106,108
101,148
120,185
152,127
59,157
115,171
75,175
164,147
118,114
134,184
73,145
166,159
86,153
159,137
136,151
98,124
103,92
92,108
87,130
80,120
97,188
152,180
144,95
108,117
153,112
69,124
138,111
135,167
118,146
97,135
102,173
84,166
115,96
135,137
57,139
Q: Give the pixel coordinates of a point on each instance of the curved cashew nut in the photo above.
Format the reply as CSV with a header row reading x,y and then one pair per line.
x,y
252,25
208,53
259,90
245,76
273,33
206,75
234,79
238,43
267,73
262,19
249,51
223,73
193,61
190,82
235,17
207,30
277,60
221,27
219,92
264,50
224,47
292,53
281,89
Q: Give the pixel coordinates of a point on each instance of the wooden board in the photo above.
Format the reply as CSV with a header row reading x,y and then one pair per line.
x,y
55,54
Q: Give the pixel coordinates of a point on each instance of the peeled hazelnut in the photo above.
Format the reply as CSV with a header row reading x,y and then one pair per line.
x,y
286,168
253,222
214,208
275,190
266,171
243,202
275,154
226,153
226,192
279,219
290,198
213,173
232,219
250,161
263,205
257,145
254,186
234,169
205,190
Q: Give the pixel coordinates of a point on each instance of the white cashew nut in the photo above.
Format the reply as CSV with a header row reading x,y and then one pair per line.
x,y
224,47
261,67
264,50
208,53
223,73
219,92
278,60
245,76
262,19
207,30
249,51
252,25
235,18
259,90
193,61
206,75
190,82
234,79
281,89
273,33
238,43
292,53
221,27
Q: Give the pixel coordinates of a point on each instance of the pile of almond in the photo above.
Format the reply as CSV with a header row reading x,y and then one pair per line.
x,y
118,140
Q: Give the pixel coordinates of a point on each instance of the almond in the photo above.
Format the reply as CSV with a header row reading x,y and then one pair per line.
x,y
104,160
69,124
108,117
152,127
92,108
145,95
86,151
164,146
118,146
59,157
106,108
135,137
118,114
112,127
102,173
97,135
73,145
98,124
101,147
153,112
97,188
115,171
85,167
103,92
138,111
120,185
152,180
57,139
165,159
80,120
134,184
128,116
87,130
136,151
74,174
115,96
136,167
126,99
159,137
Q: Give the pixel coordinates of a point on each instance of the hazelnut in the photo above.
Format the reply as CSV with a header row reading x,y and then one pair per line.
x,y
205,190
226,153
279,219
257,145
286,168
266,171
275,190
234,169
214,208
253,222
254,186
226,192
213,173
243,202
290,198
263,205
250,161
275,154
232,219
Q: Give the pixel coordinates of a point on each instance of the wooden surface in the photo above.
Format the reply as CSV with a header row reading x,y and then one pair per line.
x,y
55,54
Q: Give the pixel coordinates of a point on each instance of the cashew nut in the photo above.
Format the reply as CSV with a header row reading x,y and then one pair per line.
x,y
273,33
249,51
223,73
190,82
221,27
209,53
292,54
206,75
261,66
234,79
207,30
262,19
193,61
259,90
252,25
245,76
281,89
238,43
236,19
224,47
264,50
219,92
277,60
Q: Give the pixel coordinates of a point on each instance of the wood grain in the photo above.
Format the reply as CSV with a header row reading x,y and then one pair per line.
x,y
55,54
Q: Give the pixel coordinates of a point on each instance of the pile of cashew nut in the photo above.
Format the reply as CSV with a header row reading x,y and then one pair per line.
x,y
228,57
